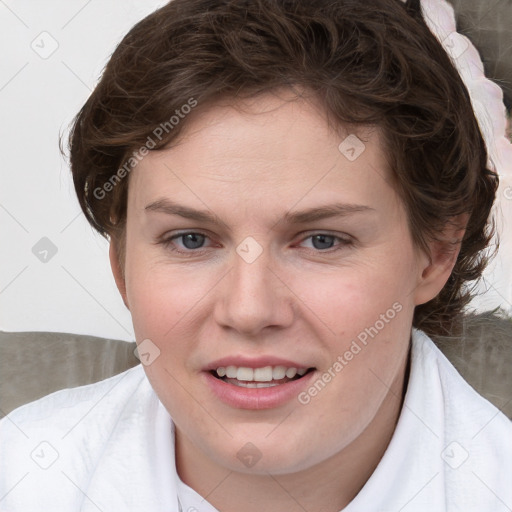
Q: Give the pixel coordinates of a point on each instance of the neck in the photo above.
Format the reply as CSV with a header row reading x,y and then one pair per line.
x,y
326,487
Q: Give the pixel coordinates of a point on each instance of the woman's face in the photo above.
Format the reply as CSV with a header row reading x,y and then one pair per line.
x,y
300,257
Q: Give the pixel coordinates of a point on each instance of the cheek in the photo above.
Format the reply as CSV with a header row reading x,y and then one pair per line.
x,y
163,307
368,313
161,296
172,305
348,299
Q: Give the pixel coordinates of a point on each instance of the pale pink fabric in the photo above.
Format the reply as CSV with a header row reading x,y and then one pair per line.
x,y
487,100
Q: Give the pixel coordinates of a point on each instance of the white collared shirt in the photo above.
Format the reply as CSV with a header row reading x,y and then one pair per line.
x,y
109,446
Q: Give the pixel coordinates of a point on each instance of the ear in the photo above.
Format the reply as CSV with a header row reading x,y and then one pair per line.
x,y
437,266
118,272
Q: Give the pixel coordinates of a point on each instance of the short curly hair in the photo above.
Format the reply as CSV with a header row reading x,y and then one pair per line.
x,y
368,63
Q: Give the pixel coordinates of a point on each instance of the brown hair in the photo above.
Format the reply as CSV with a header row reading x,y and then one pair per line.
x,y
368,63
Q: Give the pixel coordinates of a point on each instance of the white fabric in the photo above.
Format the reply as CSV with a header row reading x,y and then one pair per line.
x,y
115,445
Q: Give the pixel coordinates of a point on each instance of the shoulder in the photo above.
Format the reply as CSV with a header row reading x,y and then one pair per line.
x,y
68,428
60,409
461,401
92,442
476,437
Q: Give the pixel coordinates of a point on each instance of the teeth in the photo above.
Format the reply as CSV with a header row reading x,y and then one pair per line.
x,y
259,375
230,372
243,384
279,372
291,372
244,374
263,374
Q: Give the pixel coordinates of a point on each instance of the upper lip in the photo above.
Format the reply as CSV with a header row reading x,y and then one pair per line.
x,y
254,362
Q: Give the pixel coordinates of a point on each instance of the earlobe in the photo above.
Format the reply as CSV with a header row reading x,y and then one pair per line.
x,y
438,264
117,271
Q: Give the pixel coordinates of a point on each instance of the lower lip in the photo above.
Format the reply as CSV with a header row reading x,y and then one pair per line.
x,y
257,398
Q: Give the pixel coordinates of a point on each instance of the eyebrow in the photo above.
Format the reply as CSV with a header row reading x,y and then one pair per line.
x,y
301,217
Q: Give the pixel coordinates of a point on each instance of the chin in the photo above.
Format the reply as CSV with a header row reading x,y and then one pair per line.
x,y
261,454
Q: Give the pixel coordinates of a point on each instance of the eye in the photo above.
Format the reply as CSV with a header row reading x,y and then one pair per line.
x,y
191,241
326,241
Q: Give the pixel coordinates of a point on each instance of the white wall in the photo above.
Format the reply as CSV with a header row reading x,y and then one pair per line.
x,y
74,290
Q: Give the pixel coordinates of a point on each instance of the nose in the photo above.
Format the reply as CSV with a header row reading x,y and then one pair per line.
x,y
253,297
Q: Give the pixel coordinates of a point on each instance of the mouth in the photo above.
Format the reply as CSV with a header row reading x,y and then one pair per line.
x,y
263,377
263,382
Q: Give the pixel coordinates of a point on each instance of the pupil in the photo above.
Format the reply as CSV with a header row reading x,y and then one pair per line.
x,y
196,240
325,241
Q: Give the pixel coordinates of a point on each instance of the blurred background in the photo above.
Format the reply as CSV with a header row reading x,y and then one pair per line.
x,y
54,270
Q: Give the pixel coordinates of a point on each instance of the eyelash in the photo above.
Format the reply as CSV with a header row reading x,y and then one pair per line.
x,y
166,243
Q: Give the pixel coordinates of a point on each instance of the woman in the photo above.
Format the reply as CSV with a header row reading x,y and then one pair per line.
x,y
297,195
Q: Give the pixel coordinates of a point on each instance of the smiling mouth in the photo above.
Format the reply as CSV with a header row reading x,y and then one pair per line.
x,y
266,377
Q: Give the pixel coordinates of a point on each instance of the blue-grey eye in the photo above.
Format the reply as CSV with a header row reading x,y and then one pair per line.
x,y
322,241
192,240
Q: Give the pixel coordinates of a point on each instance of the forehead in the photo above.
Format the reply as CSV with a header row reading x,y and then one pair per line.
x,y
272,149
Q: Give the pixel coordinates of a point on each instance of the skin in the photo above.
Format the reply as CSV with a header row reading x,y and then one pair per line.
x,y
249,167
